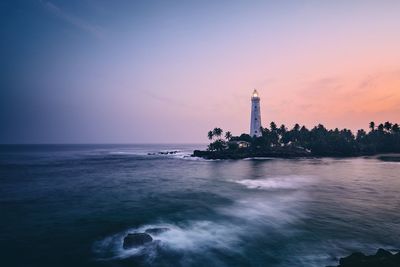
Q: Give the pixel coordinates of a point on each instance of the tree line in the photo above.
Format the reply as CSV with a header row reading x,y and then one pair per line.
x,y
320,141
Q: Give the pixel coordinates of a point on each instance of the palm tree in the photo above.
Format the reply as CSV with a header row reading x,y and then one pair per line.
x,y
282,129
274,137
388,126
217,131
372,126
264,131
210,135
273,126
228,135
218,145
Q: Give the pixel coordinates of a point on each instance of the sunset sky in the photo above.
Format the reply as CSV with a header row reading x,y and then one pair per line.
x,y
102,71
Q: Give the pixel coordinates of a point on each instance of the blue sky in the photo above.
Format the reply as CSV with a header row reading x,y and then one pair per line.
x,y
168,71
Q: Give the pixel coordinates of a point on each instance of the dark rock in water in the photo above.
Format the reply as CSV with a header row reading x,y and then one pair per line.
x,y
156,231
381,253
136,240
356,257
168,152
394,158
382,258
163,153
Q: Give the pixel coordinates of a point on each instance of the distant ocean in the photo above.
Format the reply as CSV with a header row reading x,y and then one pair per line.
x,y
71,205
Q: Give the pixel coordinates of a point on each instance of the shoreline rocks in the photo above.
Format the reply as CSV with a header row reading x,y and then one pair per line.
x,y
249,154
133,240
284,153
390,158
173,152
382,258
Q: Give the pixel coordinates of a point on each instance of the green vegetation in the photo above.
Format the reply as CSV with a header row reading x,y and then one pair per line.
x,y
300,141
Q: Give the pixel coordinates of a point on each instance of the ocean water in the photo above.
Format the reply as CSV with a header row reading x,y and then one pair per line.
x,y
71,205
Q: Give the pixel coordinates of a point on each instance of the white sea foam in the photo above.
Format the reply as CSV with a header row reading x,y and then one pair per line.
x,y
195,236
245,216
276,182
170,153
184,155
189,157
181,155
388,163
272,213
274,210
163,153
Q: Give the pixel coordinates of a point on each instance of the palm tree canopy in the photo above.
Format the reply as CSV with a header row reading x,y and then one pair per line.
x,y
228,135
217,131
319,140
372,125
388,126
273,126
210,135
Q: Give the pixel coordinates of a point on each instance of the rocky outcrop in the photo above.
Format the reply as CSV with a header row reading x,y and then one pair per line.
x,y
390,158
136,240
247,153
382,258
164,153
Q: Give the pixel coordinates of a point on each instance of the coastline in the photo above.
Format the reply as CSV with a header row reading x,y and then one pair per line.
x,y
235,155
246,154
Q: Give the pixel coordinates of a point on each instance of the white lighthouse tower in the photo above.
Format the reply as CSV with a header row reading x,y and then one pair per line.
x,y
255,123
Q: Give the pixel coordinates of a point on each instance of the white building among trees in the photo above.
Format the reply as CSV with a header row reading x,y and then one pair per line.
x,y
255,123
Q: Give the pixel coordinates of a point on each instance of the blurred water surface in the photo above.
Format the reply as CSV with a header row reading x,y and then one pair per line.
x,y
71,205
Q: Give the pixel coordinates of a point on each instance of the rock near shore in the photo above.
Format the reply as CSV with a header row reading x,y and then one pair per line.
x,y
382,258
136,239
245,153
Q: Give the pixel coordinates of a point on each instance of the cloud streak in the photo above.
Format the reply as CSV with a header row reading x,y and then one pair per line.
x,y
73,20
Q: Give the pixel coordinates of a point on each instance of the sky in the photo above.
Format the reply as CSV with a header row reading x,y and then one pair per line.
x,y
102,71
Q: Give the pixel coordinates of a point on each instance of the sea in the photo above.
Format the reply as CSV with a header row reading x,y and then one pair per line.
x,y
72,205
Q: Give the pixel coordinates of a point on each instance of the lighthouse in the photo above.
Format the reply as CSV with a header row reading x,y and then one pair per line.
x,y
255,122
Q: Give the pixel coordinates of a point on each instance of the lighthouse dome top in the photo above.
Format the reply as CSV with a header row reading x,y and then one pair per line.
x,y
255,94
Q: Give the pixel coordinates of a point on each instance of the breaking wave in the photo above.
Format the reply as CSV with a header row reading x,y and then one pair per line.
x,y
227,231
195,237
277,182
